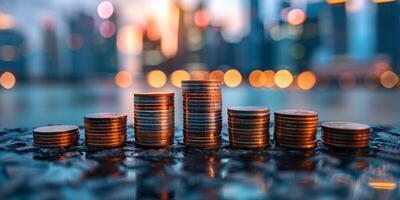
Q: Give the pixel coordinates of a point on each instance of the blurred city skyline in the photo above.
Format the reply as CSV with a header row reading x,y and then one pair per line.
x,y
267,43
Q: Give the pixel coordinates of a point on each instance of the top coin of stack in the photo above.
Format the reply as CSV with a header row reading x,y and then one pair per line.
x,y
154,119
248,127
202,113
296,129
346,135
55,136
105,129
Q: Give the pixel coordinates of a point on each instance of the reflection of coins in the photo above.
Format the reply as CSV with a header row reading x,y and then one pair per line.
x,y
56,136
202,113
154,119
105,130
248,127
346,135
296,128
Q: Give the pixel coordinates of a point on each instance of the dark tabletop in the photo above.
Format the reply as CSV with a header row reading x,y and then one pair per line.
x,y
185,173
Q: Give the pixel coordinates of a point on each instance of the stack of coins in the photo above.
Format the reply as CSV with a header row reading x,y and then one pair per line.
x,y
154,119
202,113
347,135
105,130
248,127
55,136
296,129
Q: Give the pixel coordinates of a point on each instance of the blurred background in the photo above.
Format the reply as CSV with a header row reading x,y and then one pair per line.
x,y
62,59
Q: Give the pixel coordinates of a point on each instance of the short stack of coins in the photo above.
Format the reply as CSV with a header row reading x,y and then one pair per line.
x,y
296,129
346,135
248,127
202,113
105,130
56,136
154,119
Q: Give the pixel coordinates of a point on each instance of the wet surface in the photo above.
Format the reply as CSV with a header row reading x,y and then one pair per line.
x,y
183,173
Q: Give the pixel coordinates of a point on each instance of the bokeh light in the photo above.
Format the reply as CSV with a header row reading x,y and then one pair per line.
x,y
75,41
129,40
199,75
232,78
178,76
123,79
296,16
306,80
107,29
335,1
7,80
156,79
383,1
389,79
347,81
257,78
105,9
382,184
269,78
217,75
201,19
283,78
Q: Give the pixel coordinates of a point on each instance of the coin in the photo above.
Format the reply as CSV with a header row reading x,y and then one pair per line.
x,y
248,127
55,136
295,128
105,130
347,135
154,119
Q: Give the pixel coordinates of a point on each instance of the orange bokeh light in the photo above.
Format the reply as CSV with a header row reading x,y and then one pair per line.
x,y
382,184
123,79
389,79
156,79
283,78
129,40
383,1
7,80
306,80
232,78
257,78
335,1
269,79
199,75
296,16
217,75
178,76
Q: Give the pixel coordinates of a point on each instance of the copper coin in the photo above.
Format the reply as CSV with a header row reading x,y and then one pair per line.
x,y
56,129
248,109
296,113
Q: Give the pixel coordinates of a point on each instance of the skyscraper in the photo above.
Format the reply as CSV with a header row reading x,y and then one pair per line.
x,y
12,53
388,31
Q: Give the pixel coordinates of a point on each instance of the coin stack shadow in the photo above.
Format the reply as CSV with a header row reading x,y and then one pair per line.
x,y
296,129
154,119
202,113
346,135
105,130
56,136
248,127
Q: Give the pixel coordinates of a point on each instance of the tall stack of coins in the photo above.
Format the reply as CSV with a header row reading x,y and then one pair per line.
x,y
55,136
105,130
296,129
154,119
202,113
248,127
347,135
